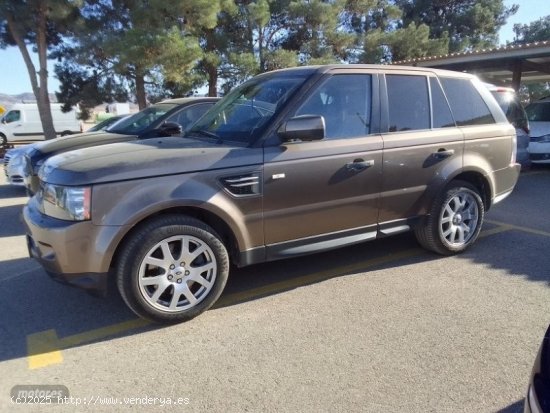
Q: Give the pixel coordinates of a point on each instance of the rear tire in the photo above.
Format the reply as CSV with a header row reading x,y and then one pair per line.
x,y
172,269
454,221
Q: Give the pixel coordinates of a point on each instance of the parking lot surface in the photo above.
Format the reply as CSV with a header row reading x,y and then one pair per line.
x,y
382,326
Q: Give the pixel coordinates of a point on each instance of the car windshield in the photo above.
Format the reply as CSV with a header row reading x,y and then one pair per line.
x,y
538,112
245,112
142,120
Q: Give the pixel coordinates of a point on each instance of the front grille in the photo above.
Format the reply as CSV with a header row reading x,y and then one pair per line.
x,y
539,156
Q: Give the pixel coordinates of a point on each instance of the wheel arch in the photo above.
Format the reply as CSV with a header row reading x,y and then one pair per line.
x,y
480,181
211,219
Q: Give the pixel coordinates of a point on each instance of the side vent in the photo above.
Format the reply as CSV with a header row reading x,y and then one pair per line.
x,y
242,185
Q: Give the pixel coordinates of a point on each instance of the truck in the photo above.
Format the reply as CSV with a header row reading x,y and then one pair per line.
x,y
22,123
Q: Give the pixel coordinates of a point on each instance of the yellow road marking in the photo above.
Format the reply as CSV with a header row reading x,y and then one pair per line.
x,y
314,278
493,231
520,228
44,348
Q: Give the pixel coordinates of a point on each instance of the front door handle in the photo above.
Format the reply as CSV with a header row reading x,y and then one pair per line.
x,y
444,153
359,164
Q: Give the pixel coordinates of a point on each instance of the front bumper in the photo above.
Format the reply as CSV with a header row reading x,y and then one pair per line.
x,y
539,152
70,252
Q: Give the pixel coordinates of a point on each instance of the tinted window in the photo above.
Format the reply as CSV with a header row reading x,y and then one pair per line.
x,y
12,116
408,102
247,110
345,103
511,106
442,117
190,114
467,105
140,121
538,112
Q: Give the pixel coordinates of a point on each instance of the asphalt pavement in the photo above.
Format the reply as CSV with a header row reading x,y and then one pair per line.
x,y
382,326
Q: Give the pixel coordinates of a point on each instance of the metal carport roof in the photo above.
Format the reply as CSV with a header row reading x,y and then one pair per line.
x,y
505,65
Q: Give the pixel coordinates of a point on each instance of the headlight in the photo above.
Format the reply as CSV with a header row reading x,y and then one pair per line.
x,y
65,202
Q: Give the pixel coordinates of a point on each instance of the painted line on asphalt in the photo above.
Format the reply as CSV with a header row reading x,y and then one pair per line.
x,y
45,348
519,228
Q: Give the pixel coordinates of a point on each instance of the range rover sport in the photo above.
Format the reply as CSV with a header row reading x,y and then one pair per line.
x,y
291,162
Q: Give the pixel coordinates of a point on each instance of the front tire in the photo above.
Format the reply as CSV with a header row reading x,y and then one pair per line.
x,y
3,141
172,269
454,221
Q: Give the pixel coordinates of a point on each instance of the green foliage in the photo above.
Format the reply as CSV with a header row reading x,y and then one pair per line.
x,y
536,31
162,48
468,23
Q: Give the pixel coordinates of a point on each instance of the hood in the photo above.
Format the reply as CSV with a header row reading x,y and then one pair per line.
x,y
538,128
144,159
81,140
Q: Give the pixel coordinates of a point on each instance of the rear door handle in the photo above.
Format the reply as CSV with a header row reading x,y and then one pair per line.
x,y
444,153
359,164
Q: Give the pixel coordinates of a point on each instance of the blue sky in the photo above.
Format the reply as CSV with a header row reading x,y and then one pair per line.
x,y
14,77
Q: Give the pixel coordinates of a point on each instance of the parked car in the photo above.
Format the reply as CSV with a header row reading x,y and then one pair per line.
x,y
14,164
538,392
166,118
510,104
538,113
106,123
22,123
291,162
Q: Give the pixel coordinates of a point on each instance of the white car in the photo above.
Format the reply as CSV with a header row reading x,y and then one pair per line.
x,y
14,164
538,113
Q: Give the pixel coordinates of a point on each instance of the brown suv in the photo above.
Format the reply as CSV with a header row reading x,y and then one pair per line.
x,y
292,162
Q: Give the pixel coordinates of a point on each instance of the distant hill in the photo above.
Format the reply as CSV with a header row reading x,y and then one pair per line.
x,y
9,100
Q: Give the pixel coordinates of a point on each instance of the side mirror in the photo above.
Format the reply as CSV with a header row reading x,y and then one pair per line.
x,y
304,128
170,129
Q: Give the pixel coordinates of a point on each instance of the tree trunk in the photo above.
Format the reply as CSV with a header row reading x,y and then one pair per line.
x,y
40,91
212,80
43,97
211,68
140,90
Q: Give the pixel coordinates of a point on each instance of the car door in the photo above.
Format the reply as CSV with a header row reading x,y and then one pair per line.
x,y
323,194
421,144
12,125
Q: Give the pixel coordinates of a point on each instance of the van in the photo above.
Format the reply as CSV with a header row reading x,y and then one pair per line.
x,y
22,123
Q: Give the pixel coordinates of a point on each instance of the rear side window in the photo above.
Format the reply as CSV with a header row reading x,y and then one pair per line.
x,y
442,117
409,105
467,105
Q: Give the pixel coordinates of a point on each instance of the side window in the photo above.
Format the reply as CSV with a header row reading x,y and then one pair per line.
x,y
12,116
345,103
467,105
190,114
409,106
442,116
